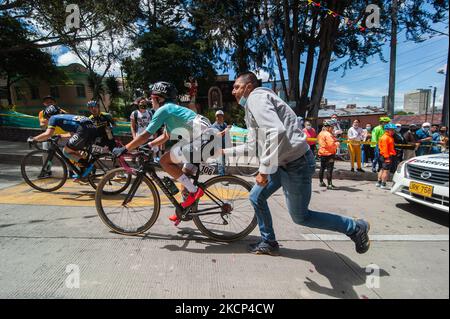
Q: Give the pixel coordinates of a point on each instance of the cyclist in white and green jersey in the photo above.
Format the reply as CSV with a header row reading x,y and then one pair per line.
x,y
179,121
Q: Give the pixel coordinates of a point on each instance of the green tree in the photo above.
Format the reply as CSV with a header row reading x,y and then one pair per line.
x,y
170,54
28,64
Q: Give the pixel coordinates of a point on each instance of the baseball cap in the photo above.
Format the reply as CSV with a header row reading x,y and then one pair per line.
x,y
220,113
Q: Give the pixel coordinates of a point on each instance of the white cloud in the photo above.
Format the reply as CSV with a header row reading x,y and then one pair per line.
x,y
67,58
263,75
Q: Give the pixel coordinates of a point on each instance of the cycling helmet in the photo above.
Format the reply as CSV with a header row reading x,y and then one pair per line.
x,y
92,103
165,90
385,119
51,110
390,126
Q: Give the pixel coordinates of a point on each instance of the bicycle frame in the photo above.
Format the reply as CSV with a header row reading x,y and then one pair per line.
x,y
148,168
54,148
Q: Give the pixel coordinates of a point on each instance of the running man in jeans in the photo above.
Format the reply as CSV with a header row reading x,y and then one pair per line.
x,y
177,119
286,161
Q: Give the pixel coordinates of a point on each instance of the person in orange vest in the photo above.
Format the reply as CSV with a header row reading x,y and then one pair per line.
x,y
328,145
387,154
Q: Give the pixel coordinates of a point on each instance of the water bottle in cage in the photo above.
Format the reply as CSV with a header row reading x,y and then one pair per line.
x,y
173,189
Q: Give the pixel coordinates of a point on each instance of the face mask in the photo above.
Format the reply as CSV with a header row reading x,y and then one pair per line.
x,y
426,129
243,99
308,127
398,129
368,128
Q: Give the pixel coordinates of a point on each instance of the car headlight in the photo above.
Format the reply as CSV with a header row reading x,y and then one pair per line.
x,y
399,167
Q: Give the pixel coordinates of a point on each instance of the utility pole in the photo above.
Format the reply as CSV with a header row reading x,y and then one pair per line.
x,y
393,61
434,105
444,120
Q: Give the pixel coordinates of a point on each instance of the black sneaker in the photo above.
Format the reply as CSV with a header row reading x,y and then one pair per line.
x,y
361,236
361,170
322,184
265,248
331,187
352,170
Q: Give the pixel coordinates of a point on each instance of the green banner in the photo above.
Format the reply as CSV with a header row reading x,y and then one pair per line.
x,y
20,120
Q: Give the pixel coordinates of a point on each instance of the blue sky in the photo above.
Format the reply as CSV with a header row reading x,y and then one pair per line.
x,y
417,66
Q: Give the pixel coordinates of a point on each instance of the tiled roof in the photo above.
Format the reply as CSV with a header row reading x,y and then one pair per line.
x,y
417,119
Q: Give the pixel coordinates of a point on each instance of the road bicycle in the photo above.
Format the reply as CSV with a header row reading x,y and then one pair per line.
x,y
224,213
48,170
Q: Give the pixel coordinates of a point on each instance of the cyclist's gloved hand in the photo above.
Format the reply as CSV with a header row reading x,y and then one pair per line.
x,y
119,151
30,140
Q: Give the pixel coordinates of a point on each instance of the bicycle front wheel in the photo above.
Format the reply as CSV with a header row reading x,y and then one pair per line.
x,y
44,170
132,211
229,215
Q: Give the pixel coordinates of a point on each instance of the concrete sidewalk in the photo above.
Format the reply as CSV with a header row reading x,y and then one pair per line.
x,y
14,152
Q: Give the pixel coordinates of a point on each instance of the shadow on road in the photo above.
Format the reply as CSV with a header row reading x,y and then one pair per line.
x,y
431,214
325,262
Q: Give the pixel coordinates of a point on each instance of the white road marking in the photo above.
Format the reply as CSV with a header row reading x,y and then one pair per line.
x,y
330,237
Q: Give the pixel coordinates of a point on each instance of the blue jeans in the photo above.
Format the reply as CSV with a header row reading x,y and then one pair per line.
x,y
376,158
221,166
295,178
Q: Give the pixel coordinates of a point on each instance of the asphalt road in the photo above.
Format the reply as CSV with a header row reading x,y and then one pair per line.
x,y
55,246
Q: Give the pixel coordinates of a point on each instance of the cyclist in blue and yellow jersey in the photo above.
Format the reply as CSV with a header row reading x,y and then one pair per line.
x,y
84,134
179,121
104,123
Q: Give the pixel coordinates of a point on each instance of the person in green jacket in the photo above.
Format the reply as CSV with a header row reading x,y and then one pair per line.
x,y
377,133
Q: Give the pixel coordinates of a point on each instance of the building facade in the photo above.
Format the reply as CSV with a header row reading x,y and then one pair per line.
x,y
418,102
72,95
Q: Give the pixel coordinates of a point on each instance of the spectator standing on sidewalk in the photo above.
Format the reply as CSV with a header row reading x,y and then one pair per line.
x,y
443,139
310,133
424,138
328,145
140,118
355,136
387,154
410,139
287,162
223,129
366,150
435,148
399,142
377,133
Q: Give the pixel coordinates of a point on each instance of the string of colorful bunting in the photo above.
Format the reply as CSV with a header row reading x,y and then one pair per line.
x,y
334,14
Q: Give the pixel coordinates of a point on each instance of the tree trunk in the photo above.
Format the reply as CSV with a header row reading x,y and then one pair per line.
x,y
302,107
8,89
328,37
276,50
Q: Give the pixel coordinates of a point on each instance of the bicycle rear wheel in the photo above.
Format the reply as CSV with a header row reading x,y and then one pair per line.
x,y
104,164
128,218
43,170
235,218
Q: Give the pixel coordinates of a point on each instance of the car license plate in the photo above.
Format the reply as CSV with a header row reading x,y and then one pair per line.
x,y
421,189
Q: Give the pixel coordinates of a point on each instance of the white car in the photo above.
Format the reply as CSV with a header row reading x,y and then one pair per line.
x,y
424,180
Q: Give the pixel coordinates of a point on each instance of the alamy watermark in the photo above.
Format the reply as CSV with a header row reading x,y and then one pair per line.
x,y
73,279
373,277
73,19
